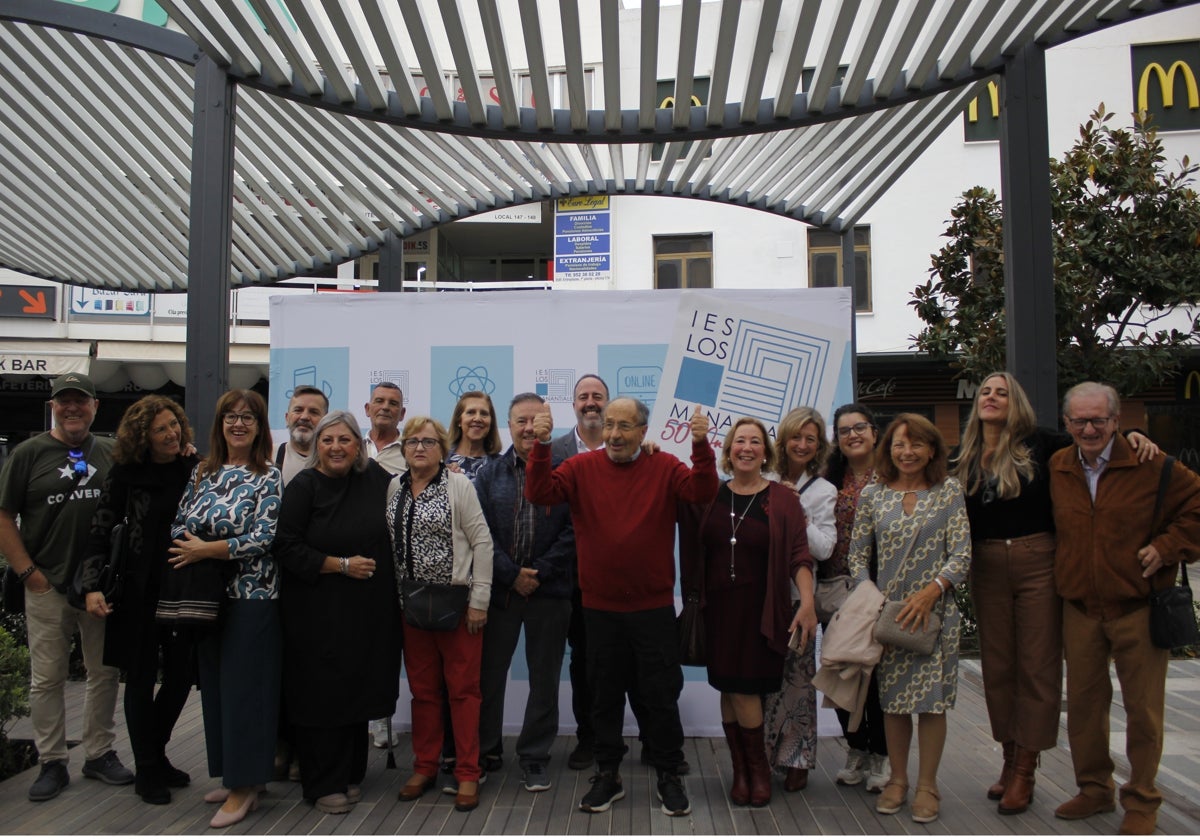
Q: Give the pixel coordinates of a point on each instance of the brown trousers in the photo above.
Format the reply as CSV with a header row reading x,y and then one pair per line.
x,y
1142,673
1020,638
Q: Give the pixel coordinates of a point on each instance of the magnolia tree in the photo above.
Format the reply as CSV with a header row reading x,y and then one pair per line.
x,y
1126,240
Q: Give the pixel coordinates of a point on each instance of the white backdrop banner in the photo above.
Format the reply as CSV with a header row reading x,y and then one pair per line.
x,y
757,352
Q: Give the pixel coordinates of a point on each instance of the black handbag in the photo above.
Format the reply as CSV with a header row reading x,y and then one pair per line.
x,y
693,646
434,606
111,578
1172,613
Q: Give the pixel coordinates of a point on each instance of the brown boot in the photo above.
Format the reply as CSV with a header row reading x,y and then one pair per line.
x,y
1019,792
997,790
739,793
757,769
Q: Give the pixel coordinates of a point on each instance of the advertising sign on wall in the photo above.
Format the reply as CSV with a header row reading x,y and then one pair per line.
x,y
583,241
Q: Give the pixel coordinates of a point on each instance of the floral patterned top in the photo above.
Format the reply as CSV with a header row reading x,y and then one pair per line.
x,y
843,514
469,466
240,507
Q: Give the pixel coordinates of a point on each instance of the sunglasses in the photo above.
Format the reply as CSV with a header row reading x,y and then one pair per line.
x,y
79,464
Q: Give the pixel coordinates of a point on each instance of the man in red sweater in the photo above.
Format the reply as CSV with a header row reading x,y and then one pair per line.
x,y
623,505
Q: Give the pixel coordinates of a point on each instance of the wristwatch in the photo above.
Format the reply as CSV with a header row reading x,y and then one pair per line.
x,y
21,577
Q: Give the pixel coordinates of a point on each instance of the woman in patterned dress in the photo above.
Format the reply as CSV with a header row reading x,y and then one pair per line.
x,y
851,468
916,519
438,530
741,553
228,514
801,448
474,438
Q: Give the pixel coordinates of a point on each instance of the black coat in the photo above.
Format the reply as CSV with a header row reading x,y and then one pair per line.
x,y
342,637
149,493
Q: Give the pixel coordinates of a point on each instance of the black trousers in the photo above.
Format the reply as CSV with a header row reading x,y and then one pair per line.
x,y
331,758
581,688
639,648
150,717
869,735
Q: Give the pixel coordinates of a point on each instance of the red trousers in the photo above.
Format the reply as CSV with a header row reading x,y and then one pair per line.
x,y
437,663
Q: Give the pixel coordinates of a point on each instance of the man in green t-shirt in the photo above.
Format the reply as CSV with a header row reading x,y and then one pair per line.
x,y
52,482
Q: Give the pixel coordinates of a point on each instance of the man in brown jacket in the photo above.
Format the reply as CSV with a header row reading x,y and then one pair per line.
x,y
1104,564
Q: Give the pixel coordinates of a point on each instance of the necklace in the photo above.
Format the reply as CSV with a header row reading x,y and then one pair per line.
x,y
735,522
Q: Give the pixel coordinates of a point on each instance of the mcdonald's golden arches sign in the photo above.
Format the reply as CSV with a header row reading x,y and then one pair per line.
x,y
1165,83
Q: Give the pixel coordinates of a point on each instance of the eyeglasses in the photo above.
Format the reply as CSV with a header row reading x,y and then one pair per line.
x,y
1081,423
79,464
421,443
232,417
623,428
856,429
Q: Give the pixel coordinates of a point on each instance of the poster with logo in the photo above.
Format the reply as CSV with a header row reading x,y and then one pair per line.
x,y
736,360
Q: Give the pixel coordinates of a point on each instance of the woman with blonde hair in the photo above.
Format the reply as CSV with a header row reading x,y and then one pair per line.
x,y
740,554
915,522
1003,466
801,449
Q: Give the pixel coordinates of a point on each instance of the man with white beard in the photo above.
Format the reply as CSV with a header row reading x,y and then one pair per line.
x,y
305,409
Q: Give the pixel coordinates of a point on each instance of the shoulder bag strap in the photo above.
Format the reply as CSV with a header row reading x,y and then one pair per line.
x,y
1164,481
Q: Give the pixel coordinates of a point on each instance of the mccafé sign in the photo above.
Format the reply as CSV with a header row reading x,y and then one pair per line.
x,y
1165,83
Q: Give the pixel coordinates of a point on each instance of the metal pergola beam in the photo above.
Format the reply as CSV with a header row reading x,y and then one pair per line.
x,y
1028,247
210,239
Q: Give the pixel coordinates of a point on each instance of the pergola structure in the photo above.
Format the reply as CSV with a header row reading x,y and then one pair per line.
x,y
274,138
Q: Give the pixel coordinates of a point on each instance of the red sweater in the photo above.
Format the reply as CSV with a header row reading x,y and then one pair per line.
x,y
624,518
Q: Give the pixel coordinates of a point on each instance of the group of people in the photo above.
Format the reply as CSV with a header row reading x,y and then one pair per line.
x,y
285,583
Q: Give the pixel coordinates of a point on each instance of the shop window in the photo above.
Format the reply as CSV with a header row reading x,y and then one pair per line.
x,y
825,263
683,262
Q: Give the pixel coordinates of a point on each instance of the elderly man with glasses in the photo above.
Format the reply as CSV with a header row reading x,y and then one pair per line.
x,y
52,482
1113,544
623,504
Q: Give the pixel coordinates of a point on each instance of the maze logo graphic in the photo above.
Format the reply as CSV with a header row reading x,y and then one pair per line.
x,y
769,370
555,384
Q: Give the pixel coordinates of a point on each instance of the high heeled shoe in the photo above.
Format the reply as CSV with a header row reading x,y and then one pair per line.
x,y
224,819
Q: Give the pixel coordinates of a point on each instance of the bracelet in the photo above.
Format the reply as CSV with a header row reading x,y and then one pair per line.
x,y
938,580
344,563
21,577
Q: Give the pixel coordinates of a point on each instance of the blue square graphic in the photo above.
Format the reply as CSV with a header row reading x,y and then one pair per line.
x,y
699,382
327,368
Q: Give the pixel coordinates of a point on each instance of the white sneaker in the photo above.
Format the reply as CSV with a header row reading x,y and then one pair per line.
x,y
855,771
880,770
379,735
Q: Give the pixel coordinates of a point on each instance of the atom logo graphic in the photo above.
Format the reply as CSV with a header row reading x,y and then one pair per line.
x,y
468,378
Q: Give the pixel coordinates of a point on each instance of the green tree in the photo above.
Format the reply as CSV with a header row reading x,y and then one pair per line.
x,y
1126,240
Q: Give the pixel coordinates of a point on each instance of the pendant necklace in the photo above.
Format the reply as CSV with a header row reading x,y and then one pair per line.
x,y
734,522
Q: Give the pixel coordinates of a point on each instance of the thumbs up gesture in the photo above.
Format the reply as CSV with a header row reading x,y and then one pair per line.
x,y
543,424
699,424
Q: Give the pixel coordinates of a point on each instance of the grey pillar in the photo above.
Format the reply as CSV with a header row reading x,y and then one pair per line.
x,y
850,281
391,264
211,229
1028,251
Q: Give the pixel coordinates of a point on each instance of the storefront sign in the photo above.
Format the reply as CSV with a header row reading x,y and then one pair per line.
x,y
28,301
103,302
583,241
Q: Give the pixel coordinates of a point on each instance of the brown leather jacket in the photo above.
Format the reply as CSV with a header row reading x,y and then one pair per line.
x,y
1096,563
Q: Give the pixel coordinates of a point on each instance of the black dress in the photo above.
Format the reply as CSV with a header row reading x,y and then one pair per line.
x,y
342,637
739,659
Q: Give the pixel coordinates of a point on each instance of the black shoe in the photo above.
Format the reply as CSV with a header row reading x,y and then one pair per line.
x,y
172,775
681,769
491,763
50,781
149,784
672,795
108,769
581,758
606,789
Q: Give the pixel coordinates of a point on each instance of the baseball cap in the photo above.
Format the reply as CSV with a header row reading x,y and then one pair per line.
x,y
72,382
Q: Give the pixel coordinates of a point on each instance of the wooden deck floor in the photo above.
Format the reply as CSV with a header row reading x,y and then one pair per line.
x,y
969,766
